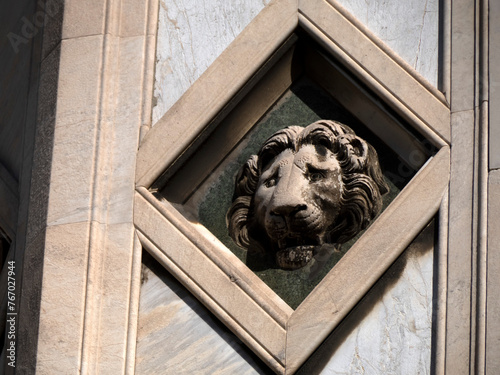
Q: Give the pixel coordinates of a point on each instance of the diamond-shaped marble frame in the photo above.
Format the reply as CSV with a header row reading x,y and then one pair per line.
x,y
282,337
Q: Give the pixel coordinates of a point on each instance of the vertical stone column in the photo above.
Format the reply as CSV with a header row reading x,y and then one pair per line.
x,y
467,249
95,95
492,361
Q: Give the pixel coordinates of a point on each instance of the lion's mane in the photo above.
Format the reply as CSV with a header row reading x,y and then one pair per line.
x,y
363,182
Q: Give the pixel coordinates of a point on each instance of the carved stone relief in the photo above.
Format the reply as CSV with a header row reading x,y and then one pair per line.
x,y
306,192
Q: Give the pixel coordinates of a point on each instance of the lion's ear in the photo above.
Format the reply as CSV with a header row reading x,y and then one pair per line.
x,y
375,172
357,156
352,152
247,178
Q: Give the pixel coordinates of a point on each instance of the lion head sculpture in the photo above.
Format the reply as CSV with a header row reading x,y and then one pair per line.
x,y
306,187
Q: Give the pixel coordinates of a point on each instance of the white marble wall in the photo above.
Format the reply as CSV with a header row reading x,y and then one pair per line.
x,y
192,34
390,331
178,335
409,27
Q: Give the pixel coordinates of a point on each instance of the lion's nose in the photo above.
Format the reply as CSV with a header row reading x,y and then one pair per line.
x,y
288,210
288,198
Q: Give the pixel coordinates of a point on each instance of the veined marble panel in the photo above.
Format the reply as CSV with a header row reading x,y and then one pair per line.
x,y
410,28
178,335
390,331
191,35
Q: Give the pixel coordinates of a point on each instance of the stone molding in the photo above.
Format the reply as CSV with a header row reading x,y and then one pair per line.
x,y
184,248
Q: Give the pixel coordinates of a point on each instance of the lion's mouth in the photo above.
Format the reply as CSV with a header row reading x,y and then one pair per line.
x,y
295,253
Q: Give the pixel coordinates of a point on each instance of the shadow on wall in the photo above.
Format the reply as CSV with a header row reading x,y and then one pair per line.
x,y
198,316
30,42
321,358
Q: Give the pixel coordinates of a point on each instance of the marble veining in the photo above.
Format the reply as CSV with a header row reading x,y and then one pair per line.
x,y
191,35
178,335
410,28
390,331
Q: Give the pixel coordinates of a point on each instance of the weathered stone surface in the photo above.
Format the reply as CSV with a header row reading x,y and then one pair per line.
x,y
178,335
459,291
65,270
390,330
463,54
493,286
191,35
72,175
63,295
410,28
85,19
93,100
494,85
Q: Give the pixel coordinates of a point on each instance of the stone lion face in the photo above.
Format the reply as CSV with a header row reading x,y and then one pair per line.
x,y
307,187
298,198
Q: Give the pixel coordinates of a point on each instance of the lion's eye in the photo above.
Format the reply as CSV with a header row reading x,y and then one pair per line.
x,y
315,175
271,182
